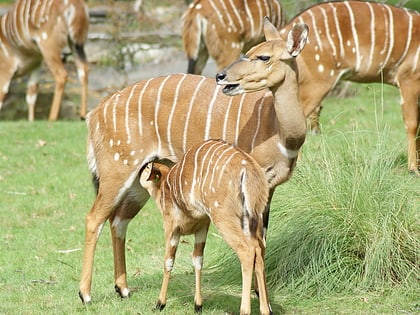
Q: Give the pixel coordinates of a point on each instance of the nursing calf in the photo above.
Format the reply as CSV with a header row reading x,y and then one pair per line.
x,y
214,181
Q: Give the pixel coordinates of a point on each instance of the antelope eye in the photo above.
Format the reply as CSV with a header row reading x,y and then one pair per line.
x,y
263,58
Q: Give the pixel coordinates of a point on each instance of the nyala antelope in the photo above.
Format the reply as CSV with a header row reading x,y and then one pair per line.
x,y
213,181
225,29
362,42
33,31
161,118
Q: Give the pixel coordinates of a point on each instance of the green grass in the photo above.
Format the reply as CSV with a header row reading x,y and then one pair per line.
x,y
343,237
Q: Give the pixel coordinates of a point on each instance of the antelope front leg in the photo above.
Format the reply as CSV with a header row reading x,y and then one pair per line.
x,y
197,259
411,116
172,241
32,93
118,233
94,225
82,72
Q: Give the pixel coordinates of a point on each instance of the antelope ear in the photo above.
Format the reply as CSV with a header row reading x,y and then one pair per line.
x,y
270,31
296,39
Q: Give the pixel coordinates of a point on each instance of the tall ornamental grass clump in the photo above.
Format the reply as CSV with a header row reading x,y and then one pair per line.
x,y
347,220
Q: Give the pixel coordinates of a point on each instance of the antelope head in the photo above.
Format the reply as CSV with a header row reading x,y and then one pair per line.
x,y
267,64
151,178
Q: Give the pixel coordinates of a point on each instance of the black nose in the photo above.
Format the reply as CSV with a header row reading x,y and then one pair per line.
x,y
220,76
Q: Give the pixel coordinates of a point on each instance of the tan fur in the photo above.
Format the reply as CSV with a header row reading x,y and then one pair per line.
x,y
161,118
37,30
373,42
218,182
225,29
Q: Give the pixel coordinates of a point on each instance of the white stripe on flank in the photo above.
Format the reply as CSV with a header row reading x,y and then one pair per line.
x,y
328,32
230,21
114,111
171,115
250,19
260,17
194,178
239,18
355,36
409,38
257,129
338,30
190,106
127,114
224,165
207,161
227,120
220,157
372,36
140,103
157,106
238,118
315,30
219,15
391,36
210,112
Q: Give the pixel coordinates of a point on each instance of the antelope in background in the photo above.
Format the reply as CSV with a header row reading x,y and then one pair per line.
x,y
218,182
36,30
160,118
225,29
362,42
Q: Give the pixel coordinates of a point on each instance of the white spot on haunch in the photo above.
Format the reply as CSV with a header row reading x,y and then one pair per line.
x,y
116,156
132,153
216,204
320,68
111,143
244,162
44,35
125,162
136,162
332,72
317,57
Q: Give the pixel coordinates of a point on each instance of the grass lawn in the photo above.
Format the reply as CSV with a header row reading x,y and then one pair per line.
x,y
45,193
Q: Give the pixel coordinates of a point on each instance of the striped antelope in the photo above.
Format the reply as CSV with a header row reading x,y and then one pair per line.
x,y
363,42
36,30
225,29
218,182
160,118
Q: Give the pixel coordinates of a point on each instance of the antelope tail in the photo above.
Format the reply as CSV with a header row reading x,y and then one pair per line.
x,y
191,36
77,20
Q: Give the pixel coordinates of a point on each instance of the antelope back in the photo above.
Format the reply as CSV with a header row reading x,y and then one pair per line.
x,y
224,29
360,41
215,174
29,21
162,117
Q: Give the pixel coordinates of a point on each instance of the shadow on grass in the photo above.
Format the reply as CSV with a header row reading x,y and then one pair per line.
x,y
225,299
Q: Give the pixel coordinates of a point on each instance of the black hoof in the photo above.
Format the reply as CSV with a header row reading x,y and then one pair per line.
x,y
198,308
160,306
118,290
83,300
